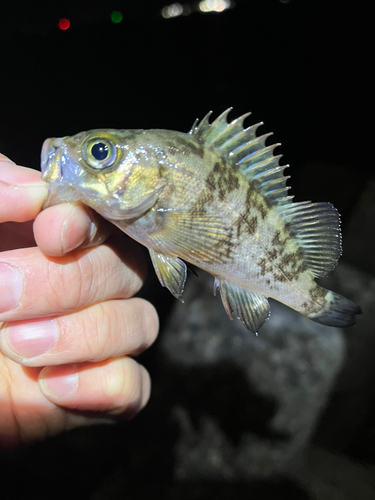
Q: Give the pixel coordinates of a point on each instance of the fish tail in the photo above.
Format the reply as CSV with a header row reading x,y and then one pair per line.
x,y
337,311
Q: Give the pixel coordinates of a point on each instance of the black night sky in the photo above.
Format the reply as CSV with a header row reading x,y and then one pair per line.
x,y
302,67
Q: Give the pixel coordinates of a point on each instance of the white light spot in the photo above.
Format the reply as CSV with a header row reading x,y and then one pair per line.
x,y
214,5
173,10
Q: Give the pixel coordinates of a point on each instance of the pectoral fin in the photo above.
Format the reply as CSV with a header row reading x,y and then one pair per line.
x,y
202,236
252,308
171,272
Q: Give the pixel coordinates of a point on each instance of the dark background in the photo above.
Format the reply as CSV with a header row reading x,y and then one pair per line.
x,y
305,68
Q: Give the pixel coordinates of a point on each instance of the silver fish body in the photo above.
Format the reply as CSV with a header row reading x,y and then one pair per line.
x,y
215,197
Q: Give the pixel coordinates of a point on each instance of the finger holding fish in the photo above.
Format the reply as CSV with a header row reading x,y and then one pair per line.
x,y
57,230
82,368
76,289
63,228
77,308
22,192
37,286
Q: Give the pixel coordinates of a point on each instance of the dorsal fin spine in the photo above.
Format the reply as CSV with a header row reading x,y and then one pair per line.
x,y
252,146
240,140
256,170
202,125
220,131
243,149
274,183
222,118
252,159
194,126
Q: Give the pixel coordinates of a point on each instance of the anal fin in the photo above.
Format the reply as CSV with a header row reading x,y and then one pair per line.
x,y
171,272
252,308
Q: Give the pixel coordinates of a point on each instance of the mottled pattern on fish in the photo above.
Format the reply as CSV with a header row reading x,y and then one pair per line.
x,y
215,197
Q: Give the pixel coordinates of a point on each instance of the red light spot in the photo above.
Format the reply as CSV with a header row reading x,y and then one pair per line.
x,y
64,24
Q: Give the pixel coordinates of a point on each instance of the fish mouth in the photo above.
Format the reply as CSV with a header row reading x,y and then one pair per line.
x,y
51,159
52,164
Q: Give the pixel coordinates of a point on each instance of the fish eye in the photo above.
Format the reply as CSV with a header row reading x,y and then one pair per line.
x,y
100,153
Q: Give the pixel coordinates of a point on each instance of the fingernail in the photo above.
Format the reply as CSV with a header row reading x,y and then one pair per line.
x,y
11,287
28,339
78,223
58,381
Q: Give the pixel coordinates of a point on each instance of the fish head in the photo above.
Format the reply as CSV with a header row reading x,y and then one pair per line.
x,y
108,170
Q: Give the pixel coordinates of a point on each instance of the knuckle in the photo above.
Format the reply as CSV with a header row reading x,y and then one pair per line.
x,y
138,326
99,325
71,285
133,267
118,327
129,398
150,320
125,387
88,276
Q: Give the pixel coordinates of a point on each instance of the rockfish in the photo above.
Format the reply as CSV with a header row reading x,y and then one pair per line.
x,y
215,197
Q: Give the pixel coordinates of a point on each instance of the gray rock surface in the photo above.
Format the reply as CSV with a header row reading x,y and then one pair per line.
x,y
353,397
327,476
250,403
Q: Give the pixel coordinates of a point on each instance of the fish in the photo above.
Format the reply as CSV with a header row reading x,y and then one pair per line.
x,y
215,197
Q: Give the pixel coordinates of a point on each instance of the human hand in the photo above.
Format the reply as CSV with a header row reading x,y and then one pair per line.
x,y
68,326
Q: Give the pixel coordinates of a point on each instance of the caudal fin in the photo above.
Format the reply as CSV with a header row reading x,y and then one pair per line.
x,y
338,311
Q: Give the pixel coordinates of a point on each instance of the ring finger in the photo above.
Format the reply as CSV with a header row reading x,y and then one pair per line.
x,y
117,386
101,331
33,285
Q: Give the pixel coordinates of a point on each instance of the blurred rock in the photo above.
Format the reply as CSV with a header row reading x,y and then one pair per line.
x,y
354,395
332,477
245,406
359,286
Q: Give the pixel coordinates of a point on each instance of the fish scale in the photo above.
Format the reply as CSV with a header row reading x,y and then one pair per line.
x,y
215,197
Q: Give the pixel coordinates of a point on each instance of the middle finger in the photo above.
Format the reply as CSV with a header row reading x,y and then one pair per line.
x,y
33,285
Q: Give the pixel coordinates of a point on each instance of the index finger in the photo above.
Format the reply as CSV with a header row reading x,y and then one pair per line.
x,y
22,192
68,226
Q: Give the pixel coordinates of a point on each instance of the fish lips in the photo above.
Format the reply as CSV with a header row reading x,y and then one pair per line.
x,y
61,188
48,156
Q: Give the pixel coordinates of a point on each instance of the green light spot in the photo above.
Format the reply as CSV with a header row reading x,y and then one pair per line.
x,y
116,16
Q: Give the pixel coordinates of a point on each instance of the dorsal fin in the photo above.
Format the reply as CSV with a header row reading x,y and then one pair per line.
x,y
314,226
243,148
316,229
